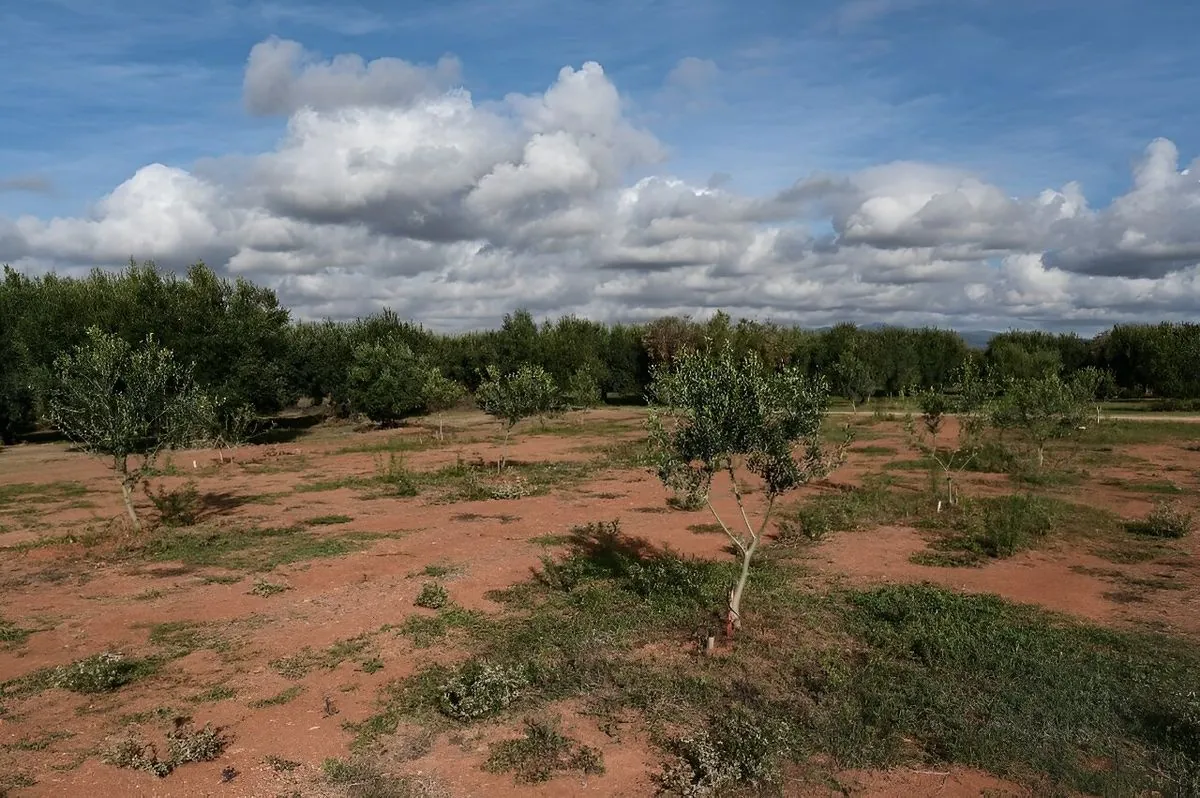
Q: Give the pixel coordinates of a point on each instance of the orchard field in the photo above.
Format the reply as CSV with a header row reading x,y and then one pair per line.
x,y
333,610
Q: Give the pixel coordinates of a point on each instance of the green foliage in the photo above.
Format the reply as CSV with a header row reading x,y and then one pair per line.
x,y
582,391
178,507
968,403
734,750
1166,520
716,413
995,527
543,753
386,381
432,596
184,744
439,394
1043,409
481,688
100,673
529,391
119,401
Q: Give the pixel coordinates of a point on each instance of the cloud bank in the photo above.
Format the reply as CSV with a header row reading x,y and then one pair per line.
x,y
393,186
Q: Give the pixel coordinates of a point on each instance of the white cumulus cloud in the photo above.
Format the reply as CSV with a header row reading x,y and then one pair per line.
x,y
392,186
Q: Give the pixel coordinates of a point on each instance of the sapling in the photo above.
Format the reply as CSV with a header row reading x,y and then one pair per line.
x,y
440,393
968,405
122,402
1044,409
529,391
716,413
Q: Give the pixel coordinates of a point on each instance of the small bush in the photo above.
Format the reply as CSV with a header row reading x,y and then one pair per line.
x,y
1166,520
395,475
511,488
179,507
1012,523
482,688
541,754
432,596
267,589
735,750
134,754
185,744
99,673
665,576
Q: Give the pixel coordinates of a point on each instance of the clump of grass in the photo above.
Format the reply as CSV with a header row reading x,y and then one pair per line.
x,y
26,493
394,475
240,547
101,673
328,520
481,688
279,699
180,638
184,744
177,507
361,778
1149,486
279,764
267,589
849,509
214,694
300,665
994,527
432,596
11,634
734,750
1166,520
426,630
437,571
543,753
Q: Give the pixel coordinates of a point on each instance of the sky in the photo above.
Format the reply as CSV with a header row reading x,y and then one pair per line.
x,y
978,164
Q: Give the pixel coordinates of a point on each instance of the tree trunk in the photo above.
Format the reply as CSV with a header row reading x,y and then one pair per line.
x,y
127,494
503,452
441,436
1041,455
734,621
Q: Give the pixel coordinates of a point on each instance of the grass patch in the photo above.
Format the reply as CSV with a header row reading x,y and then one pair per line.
x,y
849,509
875,451
995,527
213,694
279,764
550,541
1149,486
300,665
184,744
868,679
100,673
279,699
396,444
23,494
1116,433
246,548
363,778
543,753
327,520
432,596
1166,520
267,589
427,630
12,635
180,638
437,571
40,743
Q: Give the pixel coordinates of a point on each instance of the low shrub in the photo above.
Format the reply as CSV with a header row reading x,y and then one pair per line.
x,y
1166,520
543,753
99,673
735,750
432,596
179,507
482,688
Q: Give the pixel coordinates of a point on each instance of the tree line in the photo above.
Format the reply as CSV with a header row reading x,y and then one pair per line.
x,y
251,357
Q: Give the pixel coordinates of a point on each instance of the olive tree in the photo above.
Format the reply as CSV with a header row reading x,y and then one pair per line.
x,y
527,392
968,405
439,394
1043,409
715,413
124,402
386,381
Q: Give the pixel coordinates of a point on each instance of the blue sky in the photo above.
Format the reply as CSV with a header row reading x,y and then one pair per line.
x,y
1027,94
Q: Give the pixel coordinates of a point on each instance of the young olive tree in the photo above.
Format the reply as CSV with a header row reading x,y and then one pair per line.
x,y
527,392
440,393
968,405
854,379
1043,409
121,402
582,391
714,413
386,381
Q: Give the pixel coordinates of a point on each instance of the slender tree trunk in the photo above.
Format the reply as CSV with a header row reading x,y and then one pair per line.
x,y
734,620
127,484
441,436
1041,455
503,451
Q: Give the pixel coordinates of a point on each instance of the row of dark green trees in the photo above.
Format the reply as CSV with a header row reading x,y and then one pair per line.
x,y
247,350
